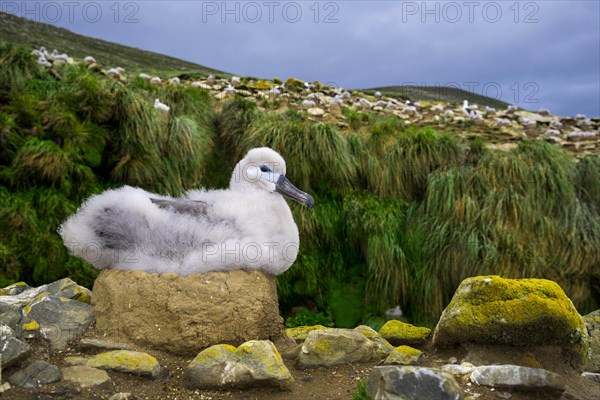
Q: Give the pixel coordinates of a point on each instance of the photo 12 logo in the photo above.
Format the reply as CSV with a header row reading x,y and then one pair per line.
x,y
74,11
270,11
453,12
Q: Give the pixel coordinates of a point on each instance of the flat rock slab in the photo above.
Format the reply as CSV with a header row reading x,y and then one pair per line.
x,y
36,374
133,362
519,312
184,315
13,351
254,363
85,376
411,383
518,378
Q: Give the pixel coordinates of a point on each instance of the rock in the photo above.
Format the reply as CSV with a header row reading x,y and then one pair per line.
x,y
85,376
299,333
519,312
36,374
254,363
458,370
96,344
518,378
411,383
12,319
5,387
327,347
60,320
403,355
592,324
183,315
121,396
14,289
316,111
13,351
132,362
69,289
594,377
398,332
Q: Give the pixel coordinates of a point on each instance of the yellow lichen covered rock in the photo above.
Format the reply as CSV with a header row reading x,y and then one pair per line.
x,y
398,332
254,363
299,333
326,347
403,355
494,310
133,362
592,323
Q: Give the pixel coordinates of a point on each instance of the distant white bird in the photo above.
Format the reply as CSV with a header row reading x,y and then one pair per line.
x,y
470,111
43,62
89,60
438,107
308,104
230,89
36,52
552,132
161,106
448,112
275,91
391,105
381,103
377,95
248,226
409,109
555,124
511,108
503,122
235,79
580,116
175,80
155,80
345,95
489,109
120,70
527,121
145,76
113,72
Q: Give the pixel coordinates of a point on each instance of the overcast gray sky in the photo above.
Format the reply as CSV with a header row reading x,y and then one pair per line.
x,y
531,53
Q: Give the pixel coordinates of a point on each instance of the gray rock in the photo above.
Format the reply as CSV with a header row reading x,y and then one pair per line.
x,y
85,376
594,377
96,344
254,363
12,319
133,362
325,347
121,396
458,370
411,383
517,377
60,320
13,351
36,374
592,324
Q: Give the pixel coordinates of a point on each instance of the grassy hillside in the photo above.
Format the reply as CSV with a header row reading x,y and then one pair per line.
x,y
31,33
436,93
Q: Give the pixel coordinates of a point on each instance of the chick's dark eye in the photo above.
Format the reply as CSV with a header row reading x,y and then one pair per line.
x,y
264,168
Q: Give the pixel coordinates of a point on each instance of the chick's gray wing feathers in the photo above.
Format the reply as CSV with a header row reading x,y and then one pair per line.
x,y
183,206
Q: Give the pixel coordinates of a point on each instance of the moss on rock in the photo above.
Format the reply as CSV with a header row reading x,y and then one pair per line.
x,y
299,333
404,355
495,310
133,362
398,332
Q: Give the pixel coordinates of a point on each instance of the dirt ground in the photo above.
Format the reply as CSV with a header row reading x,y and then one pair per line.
x,y
338,382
